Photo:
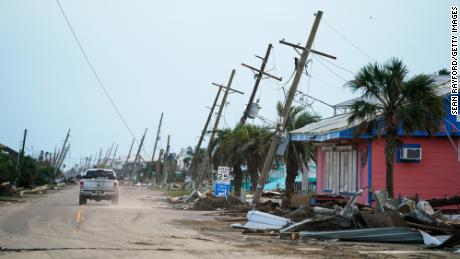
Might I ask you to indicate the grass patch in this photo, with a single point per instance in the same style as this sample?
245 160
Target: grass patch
10 198
172 192
177 193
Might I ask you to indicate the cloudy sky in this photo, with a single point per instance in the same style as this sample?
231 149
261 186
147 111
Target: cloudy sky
162 56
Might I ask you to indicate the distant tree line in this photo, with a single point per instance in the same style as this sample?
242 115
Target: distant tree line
26 173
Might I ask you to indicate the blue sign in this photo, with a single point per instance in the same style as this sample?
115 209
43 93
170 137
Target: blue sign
222 189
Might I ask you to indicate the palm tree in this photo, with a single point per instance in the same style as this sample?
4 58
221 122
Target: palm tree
257 141
389 100
226 150
297 152
245 144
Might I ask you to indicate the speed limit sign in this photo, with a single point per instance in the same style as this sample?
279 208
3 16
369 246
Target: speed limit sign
223 174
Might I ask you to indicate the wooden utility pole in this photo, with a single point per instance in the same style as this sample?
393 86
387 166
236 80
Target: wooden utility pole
165 163
113 157
20 161
99 158
63 153
158 176
156 140
205 164
260 74
104 160
286 109
127 158
133 167
193 164
90 159
108 154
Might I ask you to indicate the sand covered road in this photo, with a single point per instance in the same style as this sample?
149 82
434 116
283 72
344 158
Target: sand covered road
142 225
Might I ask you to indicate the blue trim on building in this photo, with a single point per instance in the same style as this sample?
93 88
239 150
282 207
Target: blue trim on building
369 171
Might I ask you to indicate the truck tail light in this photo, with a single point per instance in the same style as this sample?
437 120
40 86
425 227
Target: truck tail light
82 184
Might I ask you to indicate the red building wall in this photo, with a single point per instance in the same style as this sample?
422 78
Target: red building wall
436 175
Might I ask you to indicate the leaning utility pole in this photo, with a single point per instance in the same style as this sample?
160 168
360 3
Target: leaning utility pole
88 162
108 154
193 164
62 153
127 158
133 167
158 176
260 74
205 163
113 158
165 163
286 109
99 158
20 161
156 140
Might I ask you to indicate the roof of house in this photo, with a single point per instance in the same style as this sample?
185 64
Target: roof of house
334 123
441 81
340 122
10 151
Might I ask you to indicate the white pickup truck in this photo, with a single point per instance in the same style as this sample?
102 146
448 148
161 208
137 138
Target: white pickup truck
98 184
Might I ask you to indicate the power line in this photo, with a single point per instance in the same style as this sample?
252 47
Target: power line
96 75
336 65
349 41
330 70
325 83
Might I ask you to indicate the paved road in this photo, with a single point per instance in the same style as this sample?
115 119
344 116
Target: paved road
141 225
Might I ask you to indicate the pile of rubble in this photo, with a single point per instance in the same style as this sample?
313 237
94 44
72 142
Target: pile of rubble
403 220
6 189
206 202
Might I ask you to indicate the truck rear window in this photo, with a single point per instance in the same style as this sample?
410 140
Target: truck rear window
93 174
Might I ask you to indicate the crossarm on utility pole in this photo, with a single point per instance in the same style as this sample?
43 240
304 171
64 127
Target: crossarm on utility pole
230 89
263 72
311 50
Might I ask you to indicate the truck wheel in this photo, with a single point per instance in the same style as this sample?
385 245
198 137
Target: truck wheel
82 201
115 200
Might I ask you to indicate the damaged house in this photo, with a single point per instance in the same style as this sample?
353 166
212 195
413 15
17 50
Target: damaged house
425 166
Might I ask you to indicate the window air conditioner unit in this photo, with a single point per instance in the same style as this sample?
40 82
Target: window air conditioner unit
411 153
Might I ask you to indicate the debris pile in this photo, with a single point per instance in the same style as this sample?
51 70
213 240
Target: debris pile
210 202
198 201
403 220
6 189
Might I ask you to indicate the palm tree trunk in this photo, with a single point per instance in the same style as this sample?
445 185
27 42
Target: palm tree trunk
238 178
291 171
390 149
253 172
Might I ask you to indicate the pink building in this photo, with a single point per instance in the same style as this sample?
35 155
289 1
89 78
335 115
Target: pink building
428 166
